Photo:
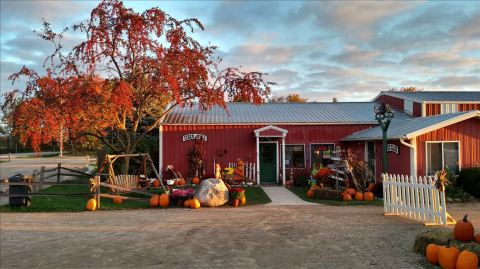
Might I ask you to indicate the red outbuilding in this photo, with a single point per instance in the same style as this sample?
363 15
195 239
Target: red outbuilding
275 139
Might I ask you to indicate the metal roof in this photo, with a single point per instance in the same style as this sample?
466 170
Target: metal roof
409 128
278 113
436 96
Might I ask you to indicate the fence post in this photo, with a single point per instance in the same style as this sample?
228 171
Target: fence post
42 174
59 168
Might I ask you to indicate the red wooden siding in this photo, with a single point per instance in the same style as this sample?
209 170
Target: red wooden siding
393 101
432 109
226 143
397 163
467 107
417 109
467 132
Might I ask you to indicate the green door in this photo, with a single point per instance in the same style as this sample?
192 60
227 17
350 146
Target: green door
268 163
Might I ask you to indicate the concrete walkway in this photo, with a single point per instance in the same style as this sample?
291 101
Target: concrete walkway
281 196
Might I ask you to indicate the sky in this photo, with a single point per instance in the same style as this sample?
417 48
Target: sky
318 49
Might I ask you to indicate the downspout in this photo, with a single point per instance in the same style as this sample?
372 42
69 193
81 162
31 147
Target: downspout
413 155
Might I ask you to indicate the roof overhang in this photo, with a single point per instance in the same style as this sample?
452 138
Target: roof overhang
271 131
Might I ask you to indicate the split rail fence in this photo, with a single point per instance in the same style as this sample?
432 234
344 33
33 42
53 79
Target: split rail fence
416 198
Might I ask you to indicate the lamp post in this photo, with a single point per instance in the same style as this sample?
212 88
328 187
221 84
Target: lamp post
384 116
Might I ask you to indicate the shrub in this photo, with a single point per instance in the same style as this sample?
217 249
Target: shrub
469 180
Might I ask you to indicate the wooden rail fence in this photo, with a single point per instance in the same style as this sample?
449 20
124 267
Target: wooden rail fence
416 198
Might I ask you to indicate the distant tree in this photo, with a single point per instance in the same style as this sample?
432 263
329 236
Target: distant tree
406 89
291 98
334 100
130 66
277 99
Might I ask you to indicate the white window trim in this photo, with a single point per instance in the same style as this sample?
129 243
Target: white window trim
310 150
443 159
304 156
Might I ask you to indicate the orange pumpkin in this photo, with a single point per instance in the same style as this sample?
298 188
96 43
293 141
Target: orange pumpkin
359 196
368 196
371 187
346 197
164 200
156 183
91 204
351 191
154 201
463 230
310 193
447 256
117 200
196 181
194 203
182 182
187 203
432 253
467 260
477 238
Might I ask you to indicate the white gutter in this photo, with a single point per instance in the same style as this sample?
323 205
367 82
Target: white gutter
413 155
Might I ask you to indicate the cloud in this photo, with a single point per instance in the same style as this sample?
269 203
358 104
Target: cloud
441 60
458 81
352 55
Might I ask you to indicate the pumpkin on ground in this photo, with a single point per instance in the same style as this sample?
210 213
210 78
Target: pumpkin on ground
368 196
117 200
164 200
467 260
196 181
91 204
187 203
432 253
346 197
359 196
351 191
447 256
181 182
156 183
194 203
371 187
154 201
310 193
243 200
463 230
477 238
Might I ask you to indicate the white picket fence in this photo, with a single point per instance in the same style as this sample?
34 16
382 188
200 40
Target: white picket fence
250 172
415 198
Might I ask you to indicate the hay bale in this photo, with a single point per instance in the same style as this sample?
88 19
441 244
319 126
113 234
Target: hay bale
328 194
440 236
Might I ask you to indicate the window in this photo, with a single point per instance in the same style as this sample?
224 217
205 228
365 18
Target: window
294 156
320 154
408 106
448 108
441 155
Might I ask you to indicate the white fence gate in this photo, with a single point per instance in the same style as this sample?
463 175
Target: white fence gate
250 172
415 198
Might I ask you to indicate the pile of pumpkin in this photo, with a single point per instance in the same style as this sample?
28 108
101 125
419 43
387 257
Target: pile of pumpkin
450 257
351 193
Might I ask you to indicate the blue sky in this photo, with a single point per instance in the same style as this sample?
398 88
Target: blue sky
350 50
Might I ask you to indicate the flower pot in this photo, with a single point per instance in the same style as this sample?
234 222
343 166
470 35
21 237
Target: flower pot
235 202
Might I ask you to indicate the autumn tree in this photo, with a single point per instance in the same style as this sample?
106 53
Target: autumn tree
406 89
291 98
131 66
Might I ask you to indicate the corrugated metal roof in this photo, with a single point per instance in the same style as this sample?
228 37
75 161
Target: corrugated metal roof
408 128
279 113
437 96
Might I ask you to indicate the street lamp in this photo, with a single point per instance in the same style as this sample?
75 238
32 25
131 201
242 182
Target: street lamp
384 116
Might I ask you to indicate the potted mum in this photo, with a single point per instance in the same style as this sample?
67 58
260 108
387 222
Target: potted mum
237 195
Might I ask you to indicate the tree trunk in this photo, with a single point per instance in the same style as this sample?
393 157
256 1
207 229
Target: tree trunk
125 165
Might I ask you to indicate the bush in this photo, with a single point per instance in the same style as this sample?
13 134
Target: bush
469 180
301 180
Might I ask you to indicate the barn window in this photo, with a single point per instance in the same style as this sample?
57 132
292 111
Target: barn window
320 154
442 155
294 156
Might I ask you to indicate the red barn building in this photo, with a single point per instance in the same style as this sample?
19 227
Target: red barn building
279 137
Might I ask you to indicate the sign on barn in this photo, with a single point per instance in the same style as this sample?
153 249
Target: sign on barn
392 148
188 137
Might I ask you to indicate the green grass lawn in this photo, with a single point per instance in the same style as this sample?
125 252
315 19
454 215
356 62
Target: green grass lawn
255 196
302 193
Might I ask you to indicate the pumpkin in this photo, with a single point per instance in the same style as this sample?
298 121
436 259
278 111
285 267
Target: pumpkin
154 201
368 196
467 260
346 197
243 200
463 230
477 238
117 200
91 204
187 203
432 253
181 182
194 203
310 193
359 196
351 191
447 256
156 183
371 187
164 201
196 181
